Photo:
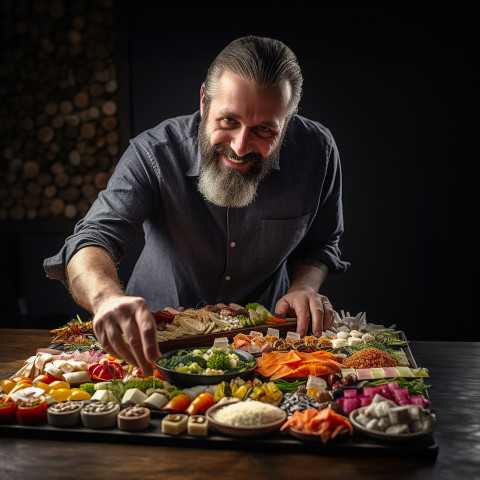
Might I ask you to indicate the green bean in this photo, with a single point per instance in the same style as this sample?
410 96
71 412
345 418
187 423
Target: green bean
285 386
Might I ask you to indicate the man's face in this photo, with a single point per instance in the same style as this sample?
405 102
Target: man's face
240 136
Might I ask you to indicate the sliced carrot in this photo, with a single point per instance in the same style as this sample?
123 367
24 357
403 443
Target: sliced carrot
326 436
337 430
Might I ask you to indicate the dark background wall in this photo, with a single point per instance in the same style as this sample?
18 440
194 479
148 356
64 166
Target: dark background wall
397 84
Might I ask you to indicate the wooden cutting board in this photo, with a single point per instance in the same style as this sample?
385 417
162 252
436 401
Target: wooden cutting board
206 340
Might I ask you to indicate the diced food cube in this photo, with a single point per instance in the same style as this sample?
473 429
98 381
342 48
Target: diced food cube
362 419
197 425
398 428
373 424
382 408
384 423
399 415
174 423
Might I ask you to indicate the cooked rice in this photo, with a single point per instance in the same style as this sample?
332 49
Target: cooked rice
248 414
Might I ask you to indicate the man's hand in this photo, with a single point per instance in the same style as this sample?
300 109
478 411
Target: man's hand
130 316
306 306
94 284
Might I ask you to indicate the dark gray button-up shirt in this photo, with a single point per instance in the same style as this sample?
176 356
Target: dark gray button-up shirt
198 252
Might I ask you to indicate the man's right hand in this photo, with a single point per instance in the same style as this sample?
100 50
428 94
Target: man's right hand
120 315
94 284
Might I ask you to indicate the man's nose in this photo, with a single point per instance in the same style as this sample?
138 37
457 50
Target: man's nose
242 142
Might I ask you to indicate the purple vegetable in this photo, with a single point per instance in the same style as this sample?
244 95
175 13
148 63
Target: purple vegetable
393 386
365 400
370 391
420 400
401 393
350 393
385 392
350 404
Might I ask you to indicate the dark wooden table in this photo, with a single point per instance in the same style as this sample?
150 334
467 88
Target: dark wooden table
455 394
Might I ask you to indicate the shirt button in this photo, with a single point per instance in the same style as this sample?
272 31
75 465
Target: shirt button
227 278
233 244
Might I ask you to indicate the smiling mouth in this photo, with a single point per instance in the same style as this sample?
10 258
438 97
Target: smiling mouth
234 160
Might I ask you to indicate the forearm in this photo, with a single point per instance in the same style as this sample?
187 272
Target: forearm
308 275
92 277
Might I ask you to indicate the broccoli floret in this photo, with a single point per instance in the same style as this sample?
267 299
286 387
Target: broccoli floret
182 353
201 362
88 387
219 360
133 383
174 361
152 383
174 393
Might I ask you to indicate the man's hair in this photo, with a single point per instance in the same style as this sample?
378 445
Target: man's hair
265 61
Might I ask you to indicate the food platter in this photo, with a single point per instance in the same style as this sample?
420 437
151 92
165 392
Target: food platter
267 435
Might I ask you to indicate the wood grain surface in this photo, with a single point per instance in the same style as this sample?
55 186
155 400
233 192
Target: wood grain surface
455 391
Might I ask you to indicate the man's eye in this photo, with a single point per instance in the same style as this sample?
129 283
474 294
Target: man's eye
264 132
228 120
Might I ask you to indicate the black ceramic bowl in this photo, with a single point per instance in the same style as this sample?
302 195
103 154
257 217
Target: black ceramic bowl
191 380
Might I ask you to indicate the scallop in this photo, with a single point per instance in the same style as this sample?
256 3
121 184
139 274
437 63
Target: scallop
354 341
356 333
339 343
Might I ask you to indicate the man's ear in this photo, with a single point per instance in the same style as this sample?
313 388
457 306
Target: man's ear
202 98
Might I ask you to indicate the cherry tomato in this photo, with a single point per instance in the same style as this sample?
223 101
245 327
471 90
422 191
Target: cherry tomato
45 378
179 403
200 404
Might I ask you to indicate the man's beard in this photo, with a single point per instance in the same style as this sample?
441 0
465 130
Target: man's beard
225 186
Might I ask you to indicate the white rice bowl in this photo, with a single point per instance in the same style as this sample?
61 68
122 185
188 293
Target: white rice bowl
248 414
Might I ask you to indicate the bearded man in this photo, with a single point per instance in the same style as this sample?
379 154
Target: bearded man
226 197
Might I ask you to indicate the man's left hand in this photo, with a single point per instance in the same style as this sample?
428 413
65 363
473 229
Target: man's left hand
306 306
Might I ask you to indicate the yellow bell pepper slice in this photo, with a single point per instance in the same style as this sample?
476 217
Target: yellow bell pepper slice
19 386
60 394
79 394
59 384
44 386
8 385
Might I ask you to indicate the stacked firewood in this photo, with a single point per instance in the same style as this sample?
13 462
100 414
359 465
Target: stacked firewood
59 125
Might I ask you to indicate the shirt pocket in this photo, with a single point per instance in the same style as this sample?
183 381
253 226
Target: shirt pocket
277 238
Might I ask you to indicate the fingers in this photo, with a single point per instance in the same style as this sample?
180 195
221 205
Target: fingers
110 337
307 307
316 307
126 329
282 308
328 313
303 320
139 338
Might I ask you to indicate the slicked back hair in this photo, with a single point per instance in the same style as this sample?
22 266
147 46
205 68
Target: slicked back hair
265 61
